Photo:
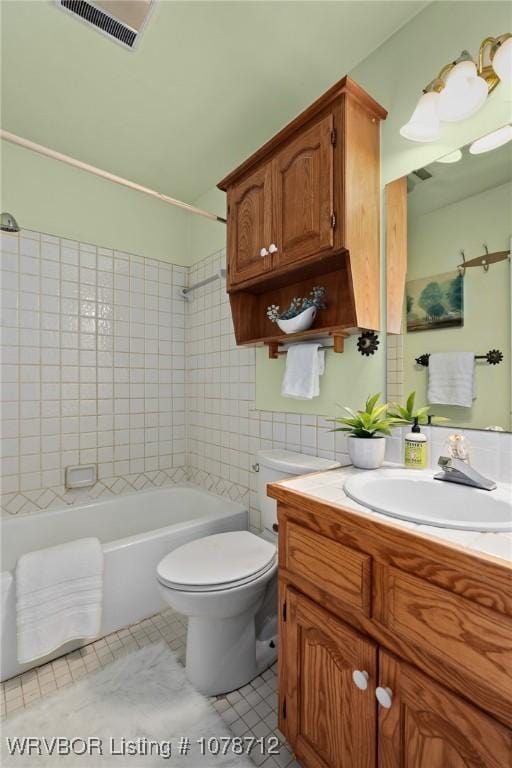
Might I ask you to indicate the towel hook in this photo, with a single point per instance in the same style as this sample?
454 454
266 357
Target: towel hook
461 268
485 264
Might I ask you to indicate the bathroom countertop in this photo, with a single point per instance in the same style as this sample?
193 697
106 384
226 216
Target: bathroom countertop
327 487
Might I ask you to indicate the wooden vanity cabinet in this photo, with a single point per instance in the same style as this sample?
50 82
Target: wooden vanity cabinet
430 626
429 727
328 720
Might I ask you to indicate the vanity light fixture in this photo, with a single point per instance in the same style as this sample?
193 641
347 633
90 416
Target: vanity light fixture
464 92
461 88
492 140
451 157
424 124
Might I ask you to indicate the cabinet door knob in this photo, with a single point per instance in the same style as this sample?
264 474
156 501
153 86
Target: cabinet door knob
384 697
360 678
272 248
264 253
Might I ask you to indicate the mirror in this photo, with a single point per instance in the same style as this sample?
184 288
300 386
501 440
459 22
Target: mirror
449 286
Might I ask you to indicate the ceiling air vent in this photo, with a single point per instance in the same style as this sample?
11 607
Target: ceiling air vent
422 174
122 20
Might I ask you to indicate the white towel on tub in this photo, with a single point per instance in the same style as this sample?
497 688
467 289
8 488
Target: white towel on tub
59 594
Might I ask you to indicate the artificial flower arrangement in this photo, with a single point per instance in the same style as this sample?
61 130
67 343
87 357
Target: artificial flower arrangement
301 313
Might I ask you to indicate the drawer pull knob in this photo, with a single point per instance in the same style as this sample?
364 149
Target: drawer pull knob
384 697
272 248
360 678
263 253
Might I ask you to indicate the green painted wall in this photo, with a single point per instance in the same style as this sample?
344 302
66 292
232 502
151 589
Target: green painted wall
434 241
348 380
395 75
49 196
207 236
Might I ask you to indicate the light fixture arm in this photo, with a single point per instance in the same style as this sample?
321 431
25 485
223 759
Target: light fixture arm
438 83
460 88
489 46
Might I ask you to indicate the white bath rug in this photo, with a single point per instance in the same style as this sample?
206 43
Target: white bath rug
135 711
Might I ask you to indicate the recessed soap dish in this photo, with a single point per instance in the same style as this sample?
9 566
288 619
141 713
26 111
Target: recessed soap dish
81 476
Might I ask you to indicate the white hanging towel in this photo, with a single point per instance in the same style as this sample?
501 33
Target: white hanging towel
59 594
305 363
451 378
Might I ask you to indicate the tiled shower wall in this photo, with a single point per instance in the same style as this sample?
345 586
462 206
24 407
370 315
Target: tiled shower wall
93 370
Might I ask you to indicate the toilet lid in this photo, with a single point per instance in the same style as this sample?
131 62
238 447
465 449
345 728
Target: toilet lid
224 560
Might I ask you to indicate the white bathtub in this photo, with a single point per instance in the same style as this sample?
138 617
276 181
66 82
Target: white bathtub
136 531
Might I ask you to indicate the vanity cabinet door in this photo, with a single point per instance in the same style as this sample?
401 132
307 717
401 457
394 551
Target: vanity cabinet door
303 199
329 721
426 726
250 226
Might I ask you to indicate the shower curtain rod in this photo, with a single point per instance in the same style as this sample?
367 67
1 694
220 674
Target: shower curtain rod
42 150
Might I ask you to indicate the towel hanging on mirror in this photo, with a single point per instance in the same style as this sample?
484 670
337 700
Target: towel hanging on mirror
451 378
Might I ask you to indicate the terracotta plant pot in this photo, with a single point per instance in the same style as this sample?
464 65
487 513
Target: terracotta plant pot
367 452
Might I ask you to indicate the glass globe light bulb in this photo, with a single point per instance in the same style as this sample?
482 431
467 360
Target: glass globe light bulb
464 93
502 62
424 122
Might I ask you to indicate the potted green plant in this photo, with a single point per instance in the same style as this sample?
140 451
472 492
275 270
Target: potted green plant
367 432
408 415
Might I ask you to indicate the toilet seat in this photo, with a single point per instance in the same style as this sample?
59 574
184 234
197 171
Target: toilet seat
220 562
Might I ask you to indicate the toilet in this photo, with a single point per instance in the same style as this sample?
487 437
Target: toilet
226 584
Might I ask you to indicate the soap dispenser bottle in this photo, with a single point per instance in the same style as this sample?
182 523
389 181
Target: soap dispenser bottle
415 448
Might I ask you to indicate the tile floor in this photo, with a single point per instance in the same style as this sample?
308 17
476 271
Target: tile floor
250 711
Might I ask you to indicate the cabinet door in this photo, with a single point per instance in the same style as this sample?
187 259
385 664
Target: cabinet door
303 208
426 726
249 225
329 721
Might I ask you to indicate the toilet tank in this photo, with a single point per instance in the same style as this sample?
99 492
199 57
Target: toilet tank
276 464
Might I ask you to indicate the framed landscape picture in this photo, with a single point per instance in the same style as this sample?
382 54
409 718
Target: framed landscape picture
435 302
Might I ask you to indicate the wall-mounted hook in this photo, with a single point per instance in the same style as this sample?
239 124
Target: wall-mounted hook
461 267
485 264
367 343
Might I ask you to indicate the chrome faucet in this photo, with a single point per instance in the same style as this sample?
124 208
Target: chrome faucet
457 471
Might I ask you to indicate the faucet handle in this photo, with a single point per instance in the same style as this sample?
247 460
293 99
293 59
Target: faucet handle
458 447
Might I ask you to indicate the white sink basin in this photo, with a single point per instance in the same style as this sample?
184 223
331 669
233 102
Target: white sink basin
416 496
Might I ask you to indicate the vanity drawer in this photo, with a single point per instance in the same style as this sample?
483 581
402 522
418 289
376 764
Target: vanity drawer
472 642
341 572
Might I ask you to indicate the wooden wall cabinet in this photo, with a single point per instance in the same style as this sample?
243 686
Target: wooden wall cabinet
303 195
250 206
304 210
395 651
